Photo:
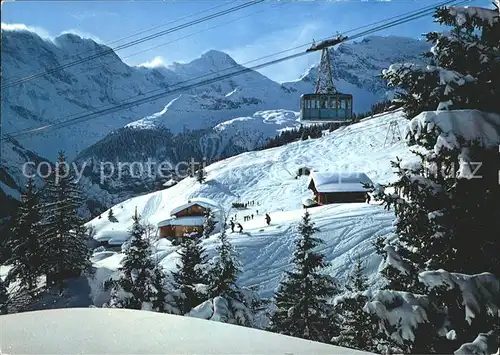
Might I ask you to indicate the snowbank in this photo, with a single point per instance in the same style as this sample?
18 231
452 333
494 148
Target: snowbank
117 331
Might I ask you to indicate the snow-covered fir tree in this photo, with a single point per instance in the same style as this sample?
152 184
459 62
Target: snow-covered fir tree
63 239
302 296
111 216
230 302
357 280
224 272
24 242
191 274
463 63
357 328
209 223
141 282
446 216
3 297
201 175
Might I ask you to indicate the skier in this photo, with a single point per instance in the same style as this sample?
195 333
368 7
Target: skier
268 219
368 198
252 215
240 227
256 211
232 226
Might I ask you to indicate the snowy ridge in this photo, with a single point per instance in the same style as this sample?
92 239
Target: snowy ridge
95 330
267 177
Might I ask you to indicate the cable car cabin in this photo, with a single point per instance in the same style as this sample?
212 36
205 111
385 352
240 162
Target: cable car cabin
326 107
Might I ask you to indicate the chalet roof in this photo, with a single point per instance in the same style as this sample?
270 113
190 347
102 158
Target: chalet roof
183 221
201 201
339 182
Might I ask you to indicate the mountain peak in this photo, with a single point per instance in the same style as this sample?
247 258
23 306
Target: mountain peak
209 61
218 56
72 40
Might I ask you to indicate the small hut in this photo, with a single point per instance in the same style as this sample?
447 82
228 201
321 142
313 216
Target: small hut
187 218
338 187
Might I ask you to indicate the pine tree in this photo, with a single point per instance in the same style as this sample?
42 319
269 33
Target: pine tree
223 275
162 301
111 216
357 282
446 221
301 299
209 223
63 240
24 242
201 175
4 297
358 328
135 287
190 273
463 63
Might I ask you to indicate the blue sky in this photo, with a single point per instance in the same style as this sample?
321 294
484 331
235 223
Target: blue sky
251 33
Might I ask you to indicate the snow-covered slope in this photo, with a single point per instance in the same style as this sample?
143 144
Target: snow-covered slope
120 331
268 178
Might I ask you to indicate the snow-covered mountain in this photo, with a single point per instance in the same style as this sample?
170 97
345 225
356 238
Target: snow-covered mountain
224 117
268 178
108 81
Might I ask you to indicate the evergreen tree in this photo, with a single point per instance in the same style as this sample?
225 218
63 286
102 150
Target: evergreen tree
357 282
358 328
4 297
24 243
464 63
242 304
190 273
301 299
111 216
209 223
63 240
161 300
224 273
135 287
446 220
201 175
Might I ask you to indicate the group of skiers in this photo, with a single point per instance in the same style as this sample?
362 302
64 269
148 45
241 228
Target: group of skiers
233 223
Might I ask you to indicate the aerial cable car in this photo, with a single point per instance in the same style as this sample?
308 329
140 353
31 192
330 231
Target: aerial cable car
326 105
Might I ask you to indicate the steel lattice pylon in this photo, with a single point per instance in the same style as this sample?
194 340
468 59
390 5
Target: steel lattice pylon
324 81
393 134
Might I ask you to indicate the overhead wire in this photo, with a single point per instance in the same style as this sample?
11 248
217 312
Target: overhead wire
132 43
108 44
280 4
414 15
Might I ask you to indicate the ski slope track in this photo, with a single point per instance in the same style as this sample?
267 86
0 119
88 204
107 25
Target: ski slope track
267 177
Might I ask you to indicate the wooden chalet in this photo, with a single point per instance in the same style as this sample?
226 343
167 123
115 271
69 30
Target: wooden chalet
186 219
338 187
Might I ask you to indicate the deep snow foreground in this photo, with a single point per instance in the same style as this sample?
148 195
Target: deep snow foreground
268 178
119 331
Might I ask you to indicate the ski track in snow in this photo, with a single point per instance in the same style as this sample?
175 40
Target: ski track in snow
267 177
